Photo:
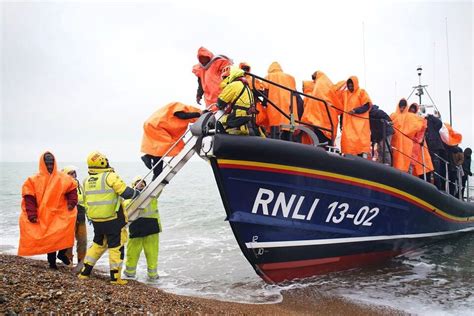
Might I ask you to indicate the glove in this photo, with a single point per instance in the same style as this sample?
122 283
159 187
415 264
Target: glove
70 207
33 219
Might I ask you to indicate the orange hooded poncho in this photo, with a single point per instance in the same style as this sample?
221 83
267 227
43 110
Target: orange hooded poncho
278 96
417 155
409 124
210 74
315 111
55 225
355 137
162 129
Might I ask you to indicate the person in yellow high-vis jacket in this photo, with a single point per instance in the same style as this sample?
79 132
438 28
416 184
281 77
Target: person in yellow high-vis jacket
102 191
144 235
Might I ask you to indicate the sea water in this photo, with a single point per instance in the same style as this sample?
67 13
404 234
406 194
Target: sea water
200 257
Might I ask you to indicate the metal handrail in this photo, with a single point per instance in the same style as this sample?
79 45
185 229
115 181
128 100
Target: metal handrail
290 117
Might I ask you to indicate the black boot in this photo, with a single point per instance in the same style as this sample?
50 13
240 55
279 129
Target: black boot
62 256
147 161
52 260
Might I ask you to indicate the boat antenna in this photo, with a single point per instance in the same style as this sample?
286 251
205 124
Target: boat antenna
449 74
363 52
421 90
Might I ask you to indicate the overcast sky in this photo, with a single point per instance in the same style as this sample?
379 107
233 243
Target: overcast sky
77 77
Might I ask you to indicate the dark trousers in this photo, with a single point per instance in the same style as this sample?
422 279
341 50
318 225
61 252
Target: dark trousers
61 255
152 161
439 167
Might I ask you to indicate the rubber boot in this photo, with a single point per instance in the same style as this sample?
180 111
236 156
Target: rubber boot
116 278
85 272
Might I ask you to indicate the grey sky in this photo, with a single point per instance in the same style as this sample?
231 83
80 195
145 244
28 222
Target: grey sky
84 76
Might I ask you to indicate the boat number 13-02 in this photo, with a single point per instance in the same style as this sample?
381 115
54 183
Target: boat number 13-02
338 212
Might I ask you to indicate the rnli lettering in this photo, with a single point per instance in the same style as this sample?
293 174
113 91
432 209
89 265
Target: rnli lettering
288 207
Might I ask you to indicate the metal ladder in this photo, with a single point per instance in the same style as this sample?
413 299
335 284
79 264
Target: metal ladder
171 167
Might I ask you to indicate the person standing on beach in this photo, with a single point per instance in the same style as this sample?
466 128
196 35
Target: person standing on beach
143 235
48 214
103 189
81 231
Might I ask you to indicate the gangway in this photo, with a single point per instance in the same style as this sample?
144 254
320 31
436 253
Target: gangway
192 142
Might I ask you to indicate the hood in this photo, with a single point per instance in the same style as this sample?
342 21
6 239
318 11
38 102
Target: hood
204 52
42 165
319 74
415 105
274 67
235 73
397 108
355 80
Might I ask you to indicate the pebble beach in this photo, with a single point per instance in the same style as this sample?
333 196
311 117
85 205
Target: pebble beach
28 287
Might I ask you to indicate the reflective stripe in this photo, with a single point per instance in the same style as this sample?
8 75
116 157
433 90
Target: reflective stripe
103 202
148 213
152 272
100 191
116 265
130 269
91 260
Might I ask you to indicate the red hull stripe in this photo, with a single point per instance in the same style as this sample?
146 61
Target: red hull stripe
281 271
266 167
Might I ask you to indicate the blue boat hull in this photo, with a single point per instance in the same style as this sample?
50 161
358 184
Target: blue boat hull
297 211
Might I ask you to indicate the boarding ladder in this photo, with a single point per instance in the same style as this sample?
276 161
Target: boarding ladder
192 141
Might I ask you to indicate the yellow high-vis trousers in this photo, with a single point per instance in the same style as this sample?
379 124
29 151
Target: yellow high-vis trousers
116 249
150 244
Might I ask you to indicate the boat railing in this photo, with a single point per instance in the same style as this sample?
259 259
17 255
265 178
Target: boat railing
293 95
457 183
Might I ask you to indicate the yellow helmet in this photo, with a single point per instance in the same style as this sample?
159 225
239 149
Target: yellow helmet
97 160
136 180
69 169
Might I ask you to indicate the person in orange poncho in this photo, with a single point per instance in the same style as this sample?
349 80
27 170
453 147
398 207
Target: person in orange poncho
208 71
162 130
406 125
355 139
281 98
420 153
48 217
315 112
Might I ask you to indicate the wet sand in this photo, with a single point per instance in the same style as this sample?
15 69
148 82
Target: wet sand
29 286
